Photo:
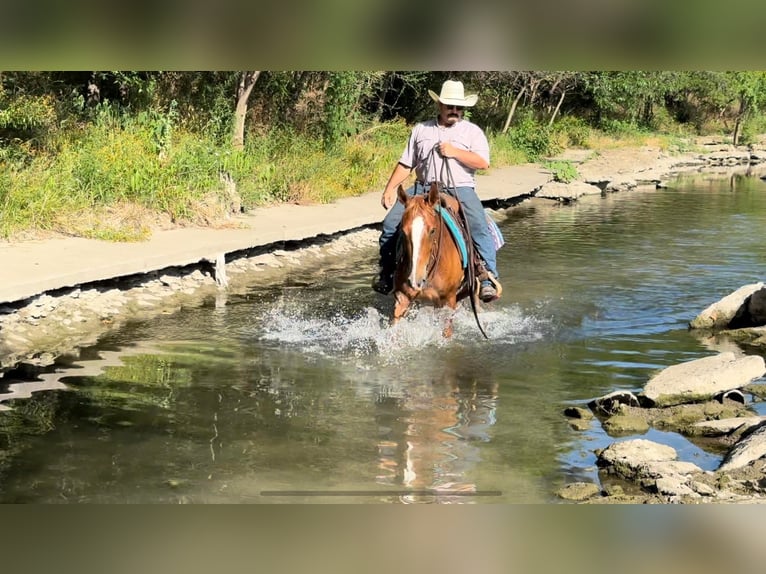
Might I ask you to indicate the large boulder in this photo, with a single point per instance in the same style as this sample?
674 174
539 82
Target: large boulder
720 314
752 312
650 464
702 379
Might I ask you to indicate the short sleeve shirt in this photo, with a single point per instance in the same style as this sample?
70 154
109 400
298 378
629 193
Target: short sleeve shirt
429 166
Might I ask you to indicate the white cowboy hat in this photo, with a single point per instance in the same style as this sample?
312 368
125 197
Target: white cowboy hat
452 94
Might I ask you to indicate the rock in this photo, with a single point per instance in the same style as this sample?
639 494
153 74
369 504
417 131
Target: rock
624 424
578 413
702 379
653 467
749 448
726 426
579 491
633 453
610 404
719 314
567 191
752 312
674 485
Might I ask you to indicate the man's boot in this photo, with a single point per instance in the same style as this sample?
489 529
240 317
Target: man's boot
487 291
489 287
383 282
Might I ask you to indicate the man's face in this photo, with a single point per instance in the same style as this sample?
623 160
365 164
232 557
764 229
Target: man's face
450 114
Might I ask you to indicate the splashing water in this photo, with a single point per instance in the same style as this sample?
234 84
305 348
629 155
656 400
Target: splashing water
368 332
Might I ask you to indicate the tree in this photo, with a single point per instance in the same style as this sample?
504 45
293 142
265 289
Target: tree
749 89
245 87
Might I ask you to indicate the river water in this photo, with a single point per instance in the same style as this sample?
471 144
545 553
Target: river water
299 392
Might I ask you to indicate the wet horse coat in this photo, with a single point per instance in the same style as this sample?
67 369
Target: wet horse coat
430 266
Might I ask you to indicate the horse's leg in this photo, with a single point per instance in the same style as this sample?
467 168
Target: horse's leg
448 329
400 306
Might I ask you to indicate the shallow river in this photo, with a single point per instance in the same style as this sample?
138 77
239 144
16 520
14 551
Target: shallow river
299 391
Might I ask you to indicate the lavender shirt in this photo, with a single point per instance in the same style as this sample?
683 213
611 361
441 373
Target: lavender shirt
428 167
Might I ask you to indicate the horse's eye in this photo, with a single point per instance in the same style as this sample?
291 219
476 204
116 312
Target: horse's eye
432 231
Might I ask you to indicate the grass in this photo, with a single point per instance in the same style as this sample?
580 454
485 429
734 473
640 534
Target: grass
118 178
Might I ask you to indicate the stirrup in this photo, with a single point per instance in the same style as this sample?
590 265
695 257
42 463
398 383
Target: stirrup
487 276
498 286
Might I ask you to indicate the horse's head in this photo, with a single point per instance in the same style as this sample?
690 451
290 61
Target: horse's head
420 224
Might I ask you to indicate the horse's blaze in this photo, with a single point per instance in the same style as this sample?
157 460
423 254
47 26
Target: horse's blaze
417 235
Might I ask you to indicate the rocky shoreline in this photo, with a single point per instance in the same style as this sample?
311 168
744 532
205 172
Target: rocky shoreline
709 400
35 332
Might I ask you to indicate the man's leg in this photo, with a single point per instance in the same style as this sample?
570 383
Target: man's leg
389 236
481 236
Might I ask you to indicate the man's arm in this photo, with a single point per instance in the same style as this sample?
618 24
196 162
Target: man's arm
469 159
401 172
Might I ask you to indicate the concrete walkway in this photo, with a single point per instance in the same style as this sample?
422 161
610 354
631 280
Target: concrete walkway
29 268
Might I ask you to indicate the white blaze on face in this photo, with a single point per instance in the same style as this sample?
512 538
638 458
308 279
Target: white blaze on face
418 229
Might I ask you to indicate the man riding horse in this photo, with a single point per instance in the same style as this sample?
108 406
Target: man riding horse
447 150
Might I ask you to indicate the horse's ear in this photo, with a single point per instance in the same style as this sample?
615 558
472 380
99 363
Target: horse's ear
433 194
403 197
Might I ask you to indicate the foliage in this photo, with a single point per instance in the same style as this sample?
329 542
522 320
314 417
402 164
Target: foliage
562 170
575 131
533 139
157 144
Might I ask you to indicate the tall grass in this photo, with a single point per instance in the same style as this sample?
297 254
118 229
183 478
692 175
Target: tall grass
110 178
117 176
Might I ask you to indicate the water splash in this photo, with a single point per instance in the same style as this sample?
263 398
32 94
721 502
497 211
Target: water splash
367 332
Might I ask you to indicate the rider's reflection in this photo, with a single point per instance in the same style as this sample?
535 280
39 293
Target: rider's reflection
431 435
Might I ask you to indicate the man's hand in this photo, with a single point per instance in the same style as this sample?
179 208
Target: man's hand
446 149
388 198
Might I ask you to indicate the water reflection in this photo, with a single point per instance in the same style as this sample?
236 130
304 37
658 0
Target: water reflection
429 436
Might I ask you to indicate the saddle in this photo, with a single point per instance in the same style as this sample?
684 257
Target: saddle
458 227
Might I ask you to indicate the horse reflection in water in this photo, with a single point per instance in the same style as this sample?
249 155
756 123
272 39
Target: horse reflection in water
430 438
430 266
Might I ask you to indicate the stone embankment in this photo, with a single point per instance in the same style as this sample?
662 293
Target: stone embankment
38 330
709 400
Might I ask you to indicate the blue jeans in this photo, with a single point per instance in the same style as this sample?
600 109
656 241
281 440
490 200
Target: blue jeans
474 215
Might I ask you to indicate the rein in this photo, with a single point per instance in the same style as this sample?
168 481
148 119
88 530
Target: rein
470 276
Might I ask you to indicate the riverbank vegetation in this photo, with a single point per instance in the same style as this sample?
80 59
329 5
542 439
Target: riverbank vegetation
113 155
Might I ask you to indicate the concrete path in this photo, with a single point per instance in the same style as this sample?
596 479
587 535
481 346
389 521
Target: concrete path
29 268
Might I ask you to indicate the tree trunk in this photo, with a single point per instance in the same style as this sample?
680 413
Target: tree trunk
516 101
558 107
246 83
739 121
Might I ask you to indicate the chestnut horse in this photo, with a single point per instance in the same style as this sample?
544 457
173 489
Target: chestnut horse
430 266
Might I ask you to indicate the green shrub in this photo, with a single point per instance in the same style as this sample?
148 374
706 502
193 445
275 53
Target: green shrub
575 131
533 139
22 114
563 171
620 128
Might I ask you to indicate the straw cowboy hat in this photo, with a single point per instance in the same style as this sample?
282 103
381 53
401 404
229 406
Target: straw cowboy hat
452 95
